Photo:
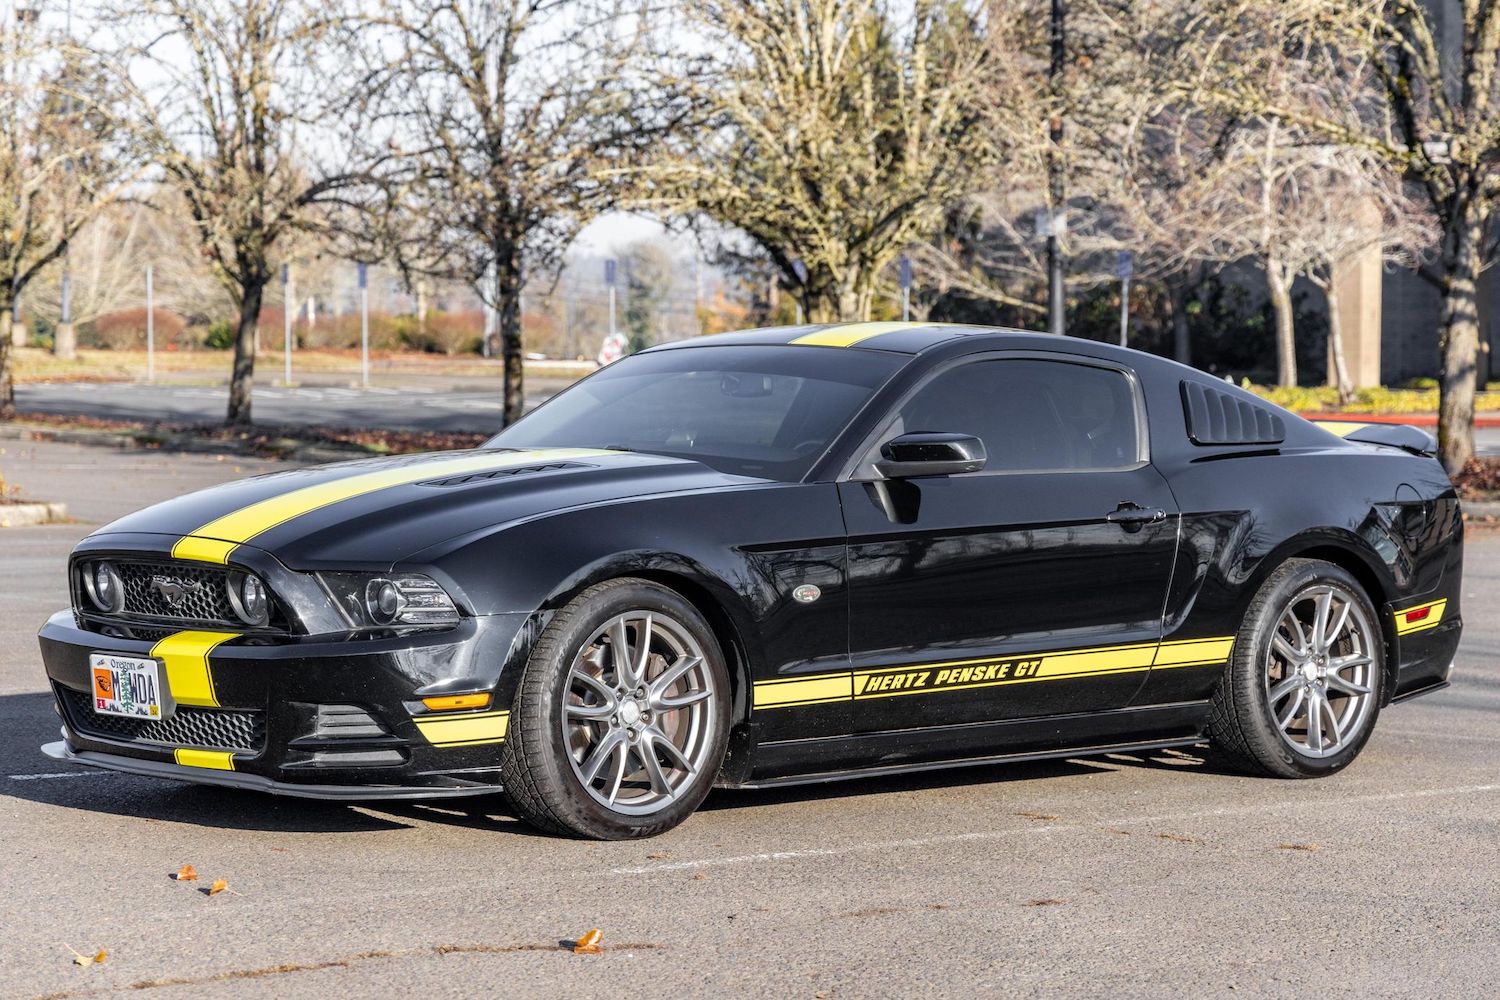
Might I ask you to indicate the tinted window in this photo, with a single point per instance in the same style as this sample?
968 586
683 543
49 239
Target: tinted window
767 412
1032 415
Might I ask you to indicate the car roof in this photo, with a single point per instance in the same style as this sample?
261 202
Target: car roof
896 337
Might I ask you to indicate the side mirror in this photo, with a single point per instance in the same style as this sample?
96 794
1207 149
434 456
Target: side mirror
930 453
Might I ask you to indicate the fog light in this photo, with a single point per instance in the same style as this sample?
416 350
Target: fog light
249 598
105 588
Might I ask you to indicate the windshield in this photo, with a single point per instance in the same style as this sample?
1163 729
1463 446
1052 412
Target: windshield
767 412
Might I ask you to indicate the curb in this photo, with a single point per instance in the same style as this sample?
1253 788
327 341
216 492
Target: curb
310 453
1481 510
18 515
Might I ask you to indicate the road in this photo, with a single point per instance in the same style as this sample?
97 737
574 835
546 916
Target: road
423 408
1139 875
467 405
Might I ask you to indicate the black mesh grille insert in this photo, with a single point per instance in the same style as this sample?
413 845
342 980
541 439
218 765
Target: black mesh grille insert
199 590
206 728
479 477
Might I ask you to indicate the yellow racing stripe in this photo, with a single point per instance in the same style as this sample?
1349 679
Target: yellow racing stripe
850 334
1343 428
1420 618
464 730
214 541
993 671
214 760
185 655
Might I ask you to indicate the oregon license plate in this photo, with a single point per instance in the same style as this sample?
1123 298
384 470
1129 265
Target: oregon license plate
126 685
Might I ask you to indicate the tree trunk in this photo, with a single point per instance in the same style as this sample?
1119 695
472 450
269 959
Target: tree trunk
1459 340
1280 289
242 380
1178 288
7 387
1340 373
508 279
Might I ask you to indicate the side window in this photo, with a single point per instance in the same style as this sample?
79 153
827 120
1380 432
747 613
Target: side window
1031 415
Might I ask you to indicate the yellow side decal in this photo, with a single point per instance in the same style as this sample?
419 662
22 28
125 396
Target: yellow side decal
1343 428
785 693
185 655
1420 618
928 678
214 541
214 760
850 334
464 730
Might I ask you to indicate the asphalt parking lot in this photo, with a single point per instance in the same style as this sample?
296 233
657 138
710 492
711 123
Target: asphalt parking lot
1160 875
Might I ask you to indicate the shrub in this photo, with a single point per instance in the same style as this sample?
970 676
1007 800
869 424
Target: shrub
126 329
447 333
220 335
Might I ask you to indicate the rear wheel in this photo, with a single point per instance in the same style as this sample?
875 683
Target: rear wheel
620 723
1302 690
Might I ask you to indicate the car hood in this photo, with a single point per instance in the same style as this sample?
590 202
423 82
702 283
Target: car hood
377 512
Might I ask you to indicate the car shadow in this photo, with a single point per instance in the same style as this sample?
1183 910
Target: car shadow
29 720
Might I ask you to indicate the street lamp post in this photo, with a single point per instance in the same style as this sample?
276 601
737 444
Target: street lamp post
286 322
150 327
1056 303
905 278
609 279
364 324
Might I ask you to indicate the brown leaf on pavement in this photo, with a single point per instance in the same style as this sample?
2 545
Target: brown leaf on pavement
658 856
1045 902
589 943
1038 815
1298 847
187 873
81 959
219 886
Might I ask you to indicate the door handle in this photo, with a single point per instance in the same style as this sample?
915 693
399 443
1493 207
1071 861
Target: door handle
1130 513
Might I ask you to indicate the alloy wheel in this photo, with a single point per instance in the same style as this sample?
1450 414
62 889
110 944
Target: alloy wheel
1319 674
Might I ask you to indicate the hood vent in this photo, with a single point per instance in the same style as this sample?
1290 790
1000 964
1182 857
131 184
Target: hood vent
1217 417
523 470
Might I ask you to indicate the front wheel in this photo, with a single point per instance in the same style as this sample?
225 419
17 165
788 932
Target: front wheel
620 723
1302 689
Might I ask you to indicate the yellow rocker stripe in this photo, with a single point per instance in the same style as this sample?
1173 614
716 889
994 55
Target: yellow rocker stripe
852 333
803 690
468 729
185 655
214 541
1433 619
214 760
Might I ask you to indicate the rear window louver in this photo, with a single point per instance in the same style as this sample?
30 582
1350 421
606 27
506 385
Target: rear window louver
1216 417
521 470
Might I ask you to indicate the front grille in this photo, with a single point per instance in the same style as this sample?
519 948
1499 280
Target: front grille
204 597
205 728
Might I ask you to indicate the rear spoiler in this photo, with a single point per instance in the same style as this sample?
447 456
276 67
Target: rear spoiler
1403 436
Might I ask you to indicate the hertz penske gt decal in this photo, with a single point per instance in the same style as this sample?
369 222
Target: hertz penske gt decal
185 656
214 541
929 678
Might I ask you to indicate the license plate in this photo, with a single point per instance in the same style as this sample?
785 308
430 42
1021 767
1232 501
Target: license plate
126 685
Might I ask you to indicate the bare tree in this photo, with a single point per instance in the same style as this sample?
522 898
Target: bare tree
63 157
248 109
835 134
516 116
1433 115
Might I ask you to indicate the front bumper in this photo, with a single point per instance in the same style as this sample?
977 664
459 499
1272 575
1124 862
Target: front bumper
319 717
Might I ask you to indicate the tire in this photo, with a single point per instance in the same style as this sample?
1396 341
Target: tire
584 729
1263 711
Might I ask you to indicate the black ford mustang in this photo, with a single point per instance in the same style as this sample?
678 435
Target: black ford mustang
777 556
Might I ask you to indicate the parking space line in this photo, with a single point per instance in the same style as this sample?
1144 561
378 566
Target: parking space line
983 835
1431 734
55 774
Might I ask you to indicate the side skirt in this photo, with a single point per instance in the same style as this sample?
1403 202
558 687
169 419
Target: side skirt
903 751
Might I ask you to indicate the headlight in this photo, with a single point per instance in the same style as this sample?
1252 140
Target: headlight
399 599
105 588
249 598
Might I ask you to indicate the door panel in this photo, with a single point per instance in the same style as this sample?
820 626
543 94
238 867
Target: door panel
1015 593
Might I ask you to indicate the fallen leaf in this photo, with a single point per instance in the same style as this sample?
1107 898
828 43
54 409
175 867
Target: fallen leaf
81 959
1036 815
1046 902
219 886
658 856
589 943
699 877
1298 847
187 873
1177 837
